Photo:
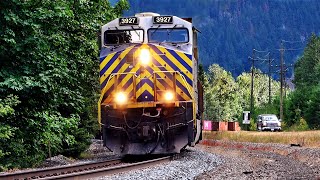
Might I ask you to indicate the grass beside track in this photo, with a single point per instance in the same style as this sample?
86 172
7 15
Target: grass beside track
304 138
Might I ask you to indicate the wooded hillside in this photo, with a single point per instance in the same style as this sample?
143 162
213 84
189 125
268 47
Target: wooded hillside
231 29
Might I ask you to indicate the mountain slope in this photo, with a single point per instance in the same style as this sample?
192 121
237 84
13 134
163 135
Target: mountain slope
231 29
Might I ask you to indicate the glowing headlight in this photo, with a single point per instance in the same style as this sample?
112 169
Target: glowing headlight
121 98
145 56
168 96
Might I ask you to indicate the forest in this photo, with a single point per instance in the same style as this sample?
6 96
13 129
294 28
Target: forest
49 81
226 97
230 30
49 67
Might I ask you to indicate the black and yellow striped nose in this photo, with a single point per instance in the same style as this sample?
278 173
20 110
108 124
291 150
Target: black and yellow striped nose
168 70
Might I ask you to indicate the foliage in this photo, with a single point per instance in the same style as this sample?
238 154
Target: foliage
48 55
260 90
307 68
225 98
295 106
304 101
312 112
300 125
221 98
6 131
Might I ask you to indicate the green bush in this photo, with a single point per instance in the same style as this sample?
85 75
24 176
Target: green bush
301 125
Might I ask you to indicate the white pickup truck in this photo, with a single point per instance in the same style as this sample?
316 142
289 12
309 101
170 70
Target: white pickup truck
268 122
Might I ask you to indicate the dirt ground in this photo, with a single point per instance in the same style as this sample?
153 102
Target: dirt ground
262 161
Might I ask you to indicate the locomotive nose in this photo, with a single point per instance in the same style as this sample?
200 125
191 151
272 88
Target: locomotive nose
145 57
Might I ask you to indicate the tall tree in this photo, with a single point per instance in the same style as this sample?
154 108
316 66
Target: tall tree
260 88
304 102
307 68
48 53
221 97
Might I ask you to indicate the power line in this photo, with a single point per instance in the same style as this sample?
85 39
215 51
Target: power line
260 51
257 59
290 49
292 42
268 54
262 59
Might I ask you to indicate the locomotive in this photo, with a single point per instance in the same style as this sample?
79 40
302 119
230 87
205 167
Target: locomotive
151 100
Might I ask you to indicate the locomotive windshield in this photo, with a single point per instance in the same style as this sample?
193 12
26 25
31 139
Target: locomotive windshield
171 35
116 37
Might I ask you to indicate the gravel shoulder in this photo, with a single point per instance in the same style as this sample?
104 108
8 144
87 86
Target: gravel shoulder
216 159
262 161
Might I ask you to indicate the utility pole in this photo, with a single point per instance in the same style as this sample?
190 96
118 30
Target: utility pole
252 77
285 81
269 59
281 80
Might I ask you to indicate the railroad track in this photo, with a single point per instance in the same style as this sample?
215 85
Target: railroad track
83 171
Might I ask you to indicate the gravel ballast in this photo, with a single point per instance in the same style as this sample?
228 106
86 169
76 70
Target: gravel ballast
190 164
213 159
235 160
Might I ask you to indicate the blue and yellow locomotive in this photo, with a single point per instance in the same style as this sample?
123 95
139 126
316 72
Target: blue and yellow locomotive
151 101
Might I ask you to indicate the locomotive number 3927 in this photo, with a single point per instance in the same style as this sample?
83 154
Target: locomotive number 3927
162 20
128 21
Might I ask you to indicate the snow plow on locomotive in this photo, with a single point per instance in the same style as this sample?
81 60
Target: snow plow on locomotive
151 100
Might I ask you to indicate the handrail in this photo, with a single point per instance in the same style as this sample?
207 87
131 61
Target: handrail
186 84
104 91
192 97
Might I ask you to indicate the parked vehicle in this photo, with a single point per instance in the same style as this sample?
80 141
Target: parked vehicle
268 122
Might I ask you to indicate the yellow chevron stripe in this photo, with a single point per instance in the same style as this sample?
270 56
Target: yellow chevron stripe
106 60
175 61
126 79
162 62
162 75
135 68
143 88
108 86
114 64
121 83
182 55
185 58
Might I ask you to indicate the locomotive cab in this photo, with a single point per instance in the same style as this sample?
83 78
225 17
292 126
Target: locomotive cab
149 101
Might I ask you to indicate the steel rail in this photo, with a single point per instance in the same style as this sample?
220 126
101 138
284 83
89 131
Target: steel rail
55 171
110 170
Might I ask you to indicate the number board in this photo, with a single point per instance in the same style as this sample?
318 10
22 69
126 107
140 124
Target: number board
128 21
162 20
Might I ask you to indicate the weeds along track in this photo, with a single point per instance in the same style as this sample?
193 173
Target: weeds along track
85 171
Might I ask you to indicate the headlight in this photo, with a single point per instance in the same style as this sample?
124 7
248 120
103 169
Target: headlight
120 98
279 124
168 96
264 123
145 57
